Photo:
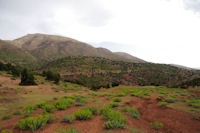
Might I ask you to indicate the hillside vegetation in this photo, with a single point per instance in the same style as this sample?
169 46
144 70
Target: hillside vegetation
105 72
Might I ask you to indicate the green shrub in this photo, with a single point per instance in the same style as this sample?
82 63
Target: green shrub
113 125
162 104
113 104
80 100
67 130
41 104
156 125
62 104
17 113
104 111
115 120
49 108
68 118
7 131
7 116
170 100
117 99
28 110
93 109
51 119
194 102
133 112
83 114
33 123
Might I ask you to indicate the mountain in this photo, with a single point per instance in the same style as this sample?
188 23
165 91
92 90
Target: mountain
13 54
46 48
130 57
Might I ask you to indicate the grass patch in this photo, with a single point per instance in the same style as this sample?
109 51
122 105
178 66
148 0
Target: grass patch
67 130
33 123
41 104
6 116
156 125
63 103
117 99
133 112
114 104
68 118
114 119
49 108
194 102
162 104
83 114
7 131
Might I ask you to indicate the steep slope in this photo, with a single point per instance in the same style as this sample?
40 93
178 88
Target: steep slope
12 54
50 47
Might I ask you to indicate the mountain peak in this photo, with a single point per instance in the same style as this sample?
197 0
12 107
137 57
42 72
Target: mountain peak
46 47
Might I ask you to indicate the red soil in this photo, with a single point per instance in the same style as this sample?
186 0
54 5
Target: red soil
174 121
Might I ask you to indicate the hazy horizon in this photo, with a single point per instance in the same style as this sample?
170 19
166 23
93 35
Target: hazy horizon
159 31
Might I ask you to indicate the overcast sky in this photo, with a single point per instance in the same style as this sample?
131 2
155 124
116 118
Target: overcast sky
160 31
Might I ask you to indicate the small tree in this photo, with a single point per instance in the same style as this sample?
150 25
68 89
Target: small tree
52 76
27 78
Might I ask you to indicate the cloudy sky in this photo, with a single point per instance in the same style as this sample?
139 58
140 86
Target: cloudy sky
160 31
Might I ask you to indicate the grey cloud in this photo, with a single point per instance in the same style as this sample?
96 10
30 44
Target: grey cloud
192 5
28 16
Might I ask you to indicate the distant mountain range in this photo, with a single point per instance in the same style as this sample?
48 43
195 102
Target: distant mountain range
42 48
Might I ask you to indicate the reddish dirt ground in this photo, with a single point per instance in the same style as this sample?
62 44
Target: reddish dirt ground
174 121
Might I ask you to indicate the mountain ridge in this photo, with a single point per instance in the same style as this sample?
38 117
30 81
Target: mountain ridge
51 47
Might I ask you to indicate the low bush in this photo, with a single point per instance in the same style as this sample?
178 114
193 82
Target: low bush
28 110
33 123
156 125
41 104
7 131
114 104
104 111
113 125
162 104
170 100
117 99
49 108
7 116
62 104
133 112
80 100
67 130
194 102
93 109
83 114
114 119
17 113
68 118
51 119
